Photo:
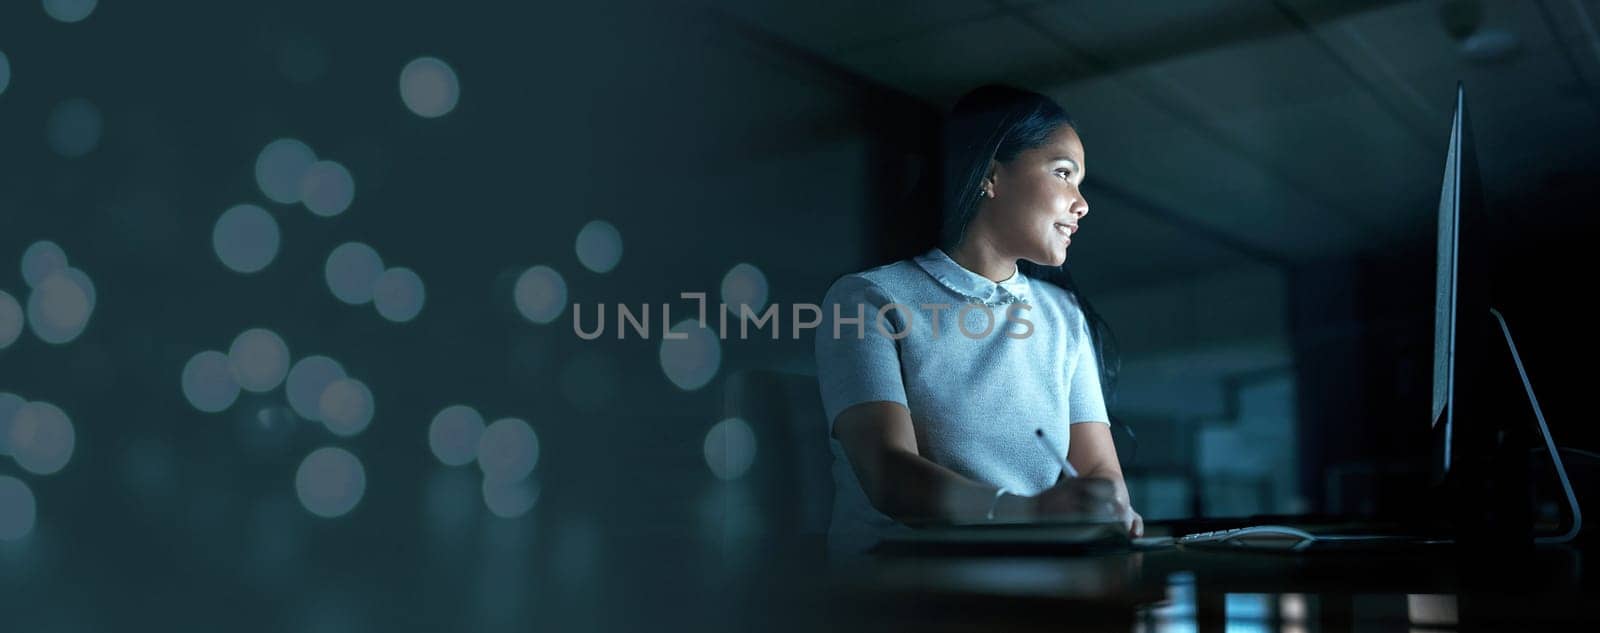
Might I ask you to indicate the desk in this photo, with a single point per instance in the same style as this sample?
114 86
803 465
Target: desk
1207 590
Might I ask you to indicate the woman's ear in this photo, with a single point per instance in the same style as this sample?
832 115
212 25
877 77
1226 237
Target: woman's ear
989 180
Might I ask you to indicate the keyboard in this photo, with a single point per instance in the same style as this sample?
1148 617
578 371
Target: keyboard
1258 536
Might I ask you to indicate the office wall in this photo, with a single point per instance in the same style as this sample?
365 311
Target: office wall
1207 387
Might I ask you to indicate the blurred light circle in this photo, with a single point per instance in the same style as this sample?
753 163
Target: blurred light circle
58 309
730 448
245 238
508 450
307 381
691 362
599 246
346 407
327 188
454 434
281 168
540 294
41 438
744 285
5 73
398 295
330 482
73 128
208 382
352 270
429 87
11 322
69 11
510 499
259 359
10 404
17 509
82 279
40 259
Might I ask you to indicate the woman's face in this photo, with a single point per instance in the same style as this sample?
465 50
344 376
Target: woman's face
1034 205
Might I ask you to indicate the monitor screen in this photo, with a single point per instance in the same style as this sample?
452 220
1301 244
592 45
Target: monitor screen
1444 315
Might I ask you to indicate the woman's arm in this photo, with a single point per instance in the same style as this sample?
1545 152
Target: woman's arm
1093 454
881 444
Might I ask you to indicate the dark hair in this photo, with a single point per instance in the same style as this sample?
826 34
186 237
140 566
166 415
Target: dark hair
996 122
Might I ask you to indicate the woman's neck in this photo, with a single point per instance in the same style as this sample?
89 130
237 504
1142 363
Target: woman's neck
978 255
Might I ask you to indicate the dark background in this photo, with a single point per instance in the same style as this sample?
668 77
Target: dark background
1263 179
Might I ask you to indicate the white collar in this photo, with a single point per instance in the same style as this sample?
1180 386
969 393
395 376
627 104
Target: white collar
971 285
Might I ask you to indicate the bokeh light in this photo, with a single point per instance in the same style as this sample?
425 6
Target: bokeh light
730 448
744 285
5 73
259 359
41 438
10 404
84 282
208 382
599 246
281 168
17 509
11 322
540 294
330 482
73 128
398 295
40 259
307 380
454 433
429 87
327 188
352 270
69 11
245 238
58 309
510 499
346 407
691 362
508 450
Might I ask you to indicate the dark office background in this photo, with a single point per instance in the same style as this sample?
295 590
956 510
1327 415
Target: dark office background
1264 178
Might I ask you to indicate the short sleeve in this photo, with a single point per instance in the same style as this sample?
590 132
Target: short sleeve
861 364
1085 402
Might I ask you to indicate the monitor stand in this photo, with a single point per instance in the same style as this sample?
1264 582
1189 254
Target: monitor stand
1549 442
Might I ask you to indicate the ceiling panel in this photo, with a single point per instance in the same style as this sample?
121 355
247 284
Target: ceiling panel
943 64
832 26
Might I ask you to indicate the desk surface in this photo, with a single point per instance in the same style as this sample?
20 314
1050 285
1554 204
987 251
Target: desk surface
1180 589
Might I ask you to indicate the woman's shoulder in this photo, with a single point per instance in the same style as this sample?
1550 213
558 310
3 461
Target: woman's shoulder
887 279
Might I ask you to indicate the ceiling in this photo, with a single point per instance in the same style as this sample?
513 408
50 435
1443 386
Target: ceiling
1229 131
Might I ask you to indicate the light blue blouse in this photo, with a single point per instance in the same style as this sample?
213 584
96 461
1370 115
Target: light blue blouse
977 380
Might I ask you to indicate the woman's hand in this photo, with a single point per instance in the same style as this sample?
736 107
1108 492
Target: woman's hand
1077 498
1085 498
1133 521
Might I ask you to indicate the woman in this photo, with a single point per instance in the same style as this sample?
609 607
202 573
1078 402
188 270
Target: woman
932 423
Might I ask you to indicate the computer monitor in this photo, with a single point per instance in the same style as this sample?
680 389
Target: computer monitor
1481 394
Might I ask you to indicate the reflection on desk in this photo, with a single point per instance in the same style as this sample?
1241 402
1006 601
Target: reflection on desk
1212 590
